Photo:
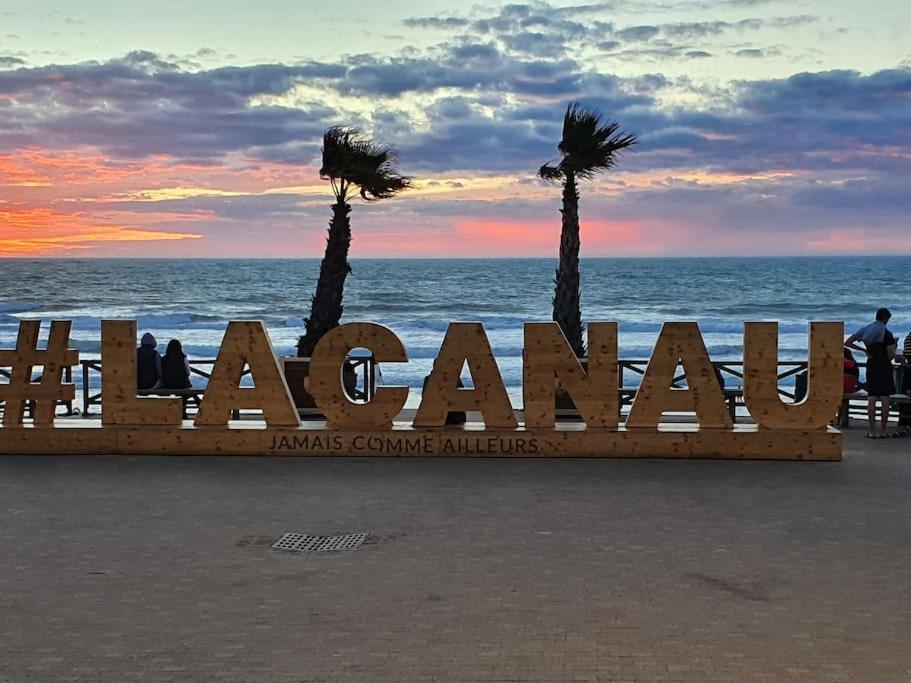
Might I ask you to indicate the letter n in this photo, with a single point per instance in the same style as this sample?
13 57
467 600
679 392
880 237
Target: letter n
119 402
679 344
825 382
246 343
465 343
548 359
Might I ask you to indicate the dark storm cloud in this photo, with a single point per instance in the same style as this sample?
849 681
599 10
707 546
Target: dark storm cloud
505 117
142 105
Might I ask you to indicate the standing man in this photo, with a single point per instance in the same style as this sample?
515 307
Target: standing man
879 345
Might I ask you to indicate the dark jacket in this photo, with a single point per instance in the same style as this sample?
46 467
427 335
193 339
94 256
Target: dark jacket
175 373
148 367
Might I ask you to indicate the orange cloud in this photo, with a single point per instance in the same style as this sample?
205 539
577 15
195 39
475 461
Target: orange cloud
44 232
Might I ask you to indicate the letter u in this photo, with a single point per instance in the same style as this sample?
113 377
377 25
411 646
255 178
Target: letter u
824 378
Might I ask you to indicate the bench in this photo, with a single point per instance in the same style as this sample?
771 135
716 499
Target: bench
732 398
191 396
844 411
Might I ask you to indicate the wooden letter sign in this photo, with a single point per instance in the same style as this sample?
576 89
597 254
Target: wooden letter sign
118 382
378 424
679 344
549 363
824 381
326 376
246 343
465 344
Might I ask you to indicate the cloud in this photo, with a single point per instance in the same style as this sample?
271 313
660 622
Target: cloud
447 23
637 33
754 53
142 104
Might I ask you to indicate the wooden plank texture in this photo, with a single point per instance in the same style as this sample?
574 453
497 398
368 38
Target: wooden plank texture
465 343
671 441
824 380
326 386
680 343
120 404
23 359
549 364
246 343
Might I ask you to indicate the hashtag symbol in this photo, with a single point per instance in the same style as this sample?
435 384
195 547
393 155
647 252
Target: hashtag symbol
45 393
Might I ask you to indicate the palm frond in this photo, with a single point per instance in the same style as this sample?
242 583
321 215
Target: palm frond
353 158
590 144
550 172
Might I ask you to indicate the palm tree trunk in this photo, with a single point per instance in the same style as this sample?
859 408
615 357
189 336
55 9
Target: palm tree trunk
326 307
567 307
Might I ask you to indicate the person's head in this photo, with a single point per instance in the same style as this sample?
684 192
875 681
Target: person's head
174 348
883 315
148 340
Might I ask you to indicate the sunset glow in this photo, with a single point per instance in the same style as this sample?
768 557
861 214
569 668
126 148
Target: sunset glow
777 139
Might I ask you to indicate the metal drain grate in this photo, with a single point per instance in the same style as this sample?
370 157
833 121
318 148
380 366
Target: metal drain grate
319 544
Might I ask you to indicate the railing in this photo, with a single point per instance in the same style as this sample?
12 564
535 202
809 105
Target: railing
363 365
727 368
629 371
94 365
67 377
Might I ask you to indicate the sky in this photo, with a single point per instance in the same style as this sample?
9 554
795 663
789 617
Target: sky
193 129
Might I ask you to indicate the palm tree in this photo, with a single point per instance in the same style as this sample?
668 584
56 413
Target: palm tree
352 162
590 145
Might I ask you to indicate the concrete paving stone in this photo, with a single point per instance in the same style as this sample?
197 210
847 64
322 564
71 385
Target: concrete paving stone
159 569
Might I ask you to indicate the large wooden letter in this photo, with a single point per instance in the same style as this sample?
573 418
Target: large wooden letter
465 343
246 342
44 394
326 384
548 357
824 380
119 403
680 343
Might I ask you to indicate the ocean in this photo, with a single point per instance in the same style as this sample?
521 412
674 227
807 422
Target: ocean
192 300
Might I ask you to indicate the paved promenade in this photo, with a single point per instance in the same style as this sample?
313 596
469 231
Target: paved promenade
159 569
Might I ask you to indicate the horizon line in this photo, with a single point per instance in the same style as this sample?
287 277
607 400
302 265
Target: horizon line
451 258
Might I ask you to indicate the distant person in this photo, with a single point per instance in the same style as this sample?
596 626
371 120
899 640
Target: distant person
175 368
904 409
148 363
879 345
852 373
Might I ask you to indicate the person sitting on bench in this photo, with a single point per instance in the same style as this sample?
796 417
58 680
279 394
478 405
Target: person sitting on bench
148 363
904 408
852 373
175 369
